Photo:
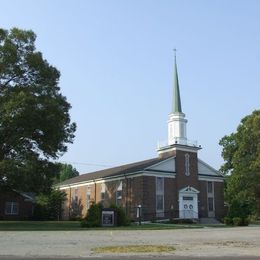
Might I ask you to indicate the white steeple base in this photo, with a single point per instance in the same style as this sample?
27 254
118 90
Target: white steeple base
177 129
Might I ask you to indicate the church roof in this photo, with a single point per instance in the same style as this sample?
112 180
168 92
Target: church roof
112 172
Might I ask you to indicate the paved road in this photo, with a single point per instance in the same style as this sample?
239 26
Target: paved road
141 258
207 242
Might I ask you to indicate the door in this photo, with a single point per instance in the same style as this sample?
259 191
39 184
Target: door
188 207
188 203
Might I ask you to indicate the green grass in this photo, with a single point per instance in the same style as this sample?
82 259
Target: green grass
134 249
39 225
75 225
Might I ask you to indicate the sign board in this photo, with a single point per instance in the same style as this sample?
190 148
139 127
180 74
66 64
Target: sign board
108 218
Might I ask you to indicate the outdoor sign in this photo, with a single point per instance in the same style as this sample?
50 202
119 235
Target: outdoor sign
108 218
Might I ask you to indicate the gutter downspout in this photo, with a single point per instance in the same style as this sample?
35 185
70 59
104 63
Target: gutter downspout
95 191
69 200
126 195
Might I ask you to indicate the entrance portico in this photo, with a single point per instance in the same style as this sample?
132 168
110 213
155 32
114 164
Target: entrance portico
188 203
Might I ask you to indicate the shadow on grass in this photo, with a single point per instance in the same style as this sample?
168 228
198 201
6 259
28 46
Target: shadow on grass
75 226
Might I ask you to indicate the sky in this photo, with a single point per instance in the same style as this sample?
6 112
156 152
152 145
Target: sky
116 64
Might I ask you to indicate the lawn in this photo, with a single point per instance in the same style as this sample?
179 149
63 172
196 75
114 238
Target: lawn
39 225
134 249
75 225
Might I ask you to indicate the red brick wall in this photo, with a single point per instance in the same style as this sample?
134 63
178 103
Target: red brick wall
202 198
142 191
95 196
25 207
218 199
220 210
181 178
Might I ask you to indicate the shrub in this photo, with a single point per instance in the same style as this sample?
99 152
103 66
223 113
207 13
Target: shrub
228 221
245 221
237 221
93 218
182 221
242 206
121 217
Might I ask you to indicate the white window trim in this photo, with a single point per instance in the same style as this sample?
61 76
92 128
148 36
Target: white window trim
211 195
187 164
88 197
102 191
119 198
12 203
159 193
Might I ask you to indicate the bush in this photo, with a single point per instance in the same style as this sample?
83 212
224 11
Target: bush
228 221
237 221
121 217
245 221
182 221
241 206
93 218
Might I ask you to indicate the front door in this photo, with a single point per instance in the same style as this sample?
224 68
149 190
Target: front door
188 207
188 203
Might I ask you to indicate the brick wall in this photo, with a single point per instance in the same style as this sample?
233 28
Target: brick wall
25 207
203 197
220 210
218 199
181 178
141 190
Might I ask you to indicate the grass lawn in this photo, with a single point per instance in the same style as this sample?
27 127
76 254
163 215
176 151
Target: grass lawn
134 249
75 225
39 225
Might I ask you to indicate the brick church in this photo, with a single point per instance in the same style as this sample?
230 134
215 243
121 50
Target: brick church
175 184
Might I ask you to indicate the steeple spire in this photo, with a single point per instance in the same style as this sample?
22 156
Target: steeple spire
176 105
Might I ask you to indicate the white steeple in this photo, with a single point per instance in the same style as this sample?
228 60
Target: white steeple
177 122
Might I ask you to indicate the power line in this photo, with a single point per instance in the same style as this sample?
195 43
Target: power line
88 164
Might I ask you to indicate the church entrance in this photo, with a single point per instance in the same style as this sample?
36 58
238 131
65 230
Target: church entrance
188 203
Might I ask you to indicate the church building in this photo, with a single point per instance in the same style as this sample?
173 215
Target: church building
175 184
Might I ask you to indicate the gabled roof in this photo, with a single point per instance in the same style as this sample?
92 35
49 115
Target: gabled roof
206 170
112 172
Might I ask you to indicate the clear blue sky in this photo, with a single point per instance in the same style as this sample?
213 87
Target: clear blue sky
116 63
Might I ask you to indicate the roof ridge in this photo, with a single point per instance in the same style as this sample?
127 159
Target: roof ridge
113 171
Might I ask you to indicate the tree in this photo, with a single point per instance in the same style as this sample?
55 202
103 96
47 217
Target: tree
241 152
66 172
49 206
34 116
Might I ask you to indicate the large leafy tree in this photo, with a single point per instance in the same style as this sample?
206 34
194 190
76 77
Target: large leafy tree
35 125
241 152
66 172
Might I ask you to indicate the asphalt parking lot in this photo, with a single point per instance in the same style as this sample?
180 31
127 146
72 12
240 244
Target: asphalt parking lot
206 242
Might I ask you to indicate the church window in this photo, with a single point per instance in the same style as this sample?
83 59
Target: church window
187 164
11 208
159 194
76 198
210 187
88 199
102 192
119 194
